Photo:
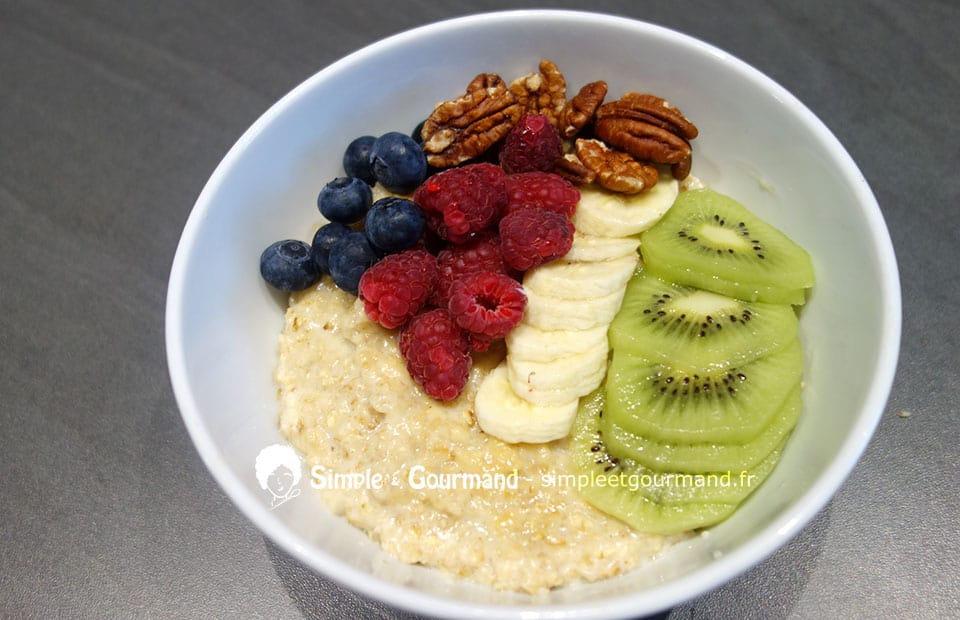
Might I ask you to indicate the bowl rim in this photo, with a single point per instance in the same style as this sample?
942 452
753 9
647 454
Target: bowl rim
657 598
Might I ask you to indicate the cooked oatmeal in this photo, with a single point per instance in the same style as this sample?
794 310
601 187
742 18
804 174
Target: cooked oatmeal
349 405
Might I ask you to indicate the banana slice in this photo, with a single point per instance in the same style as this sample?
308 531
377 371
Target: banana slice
567 280
574 374
527 389
588 248
500 412
552 313
608 214
533 344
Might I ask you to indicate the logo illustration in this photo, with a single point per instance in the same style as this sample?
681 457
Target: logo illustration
278 470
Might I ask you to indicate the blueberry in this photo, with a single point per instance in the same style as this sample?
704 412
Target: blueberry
350 256
356 159
345 200
288 266
323 240
417 133
398 162
394 224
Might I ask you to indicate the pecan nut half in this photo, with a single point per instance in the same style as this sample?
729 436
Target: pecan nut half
544 92
656 110
580 110
647 127
572 169
464 128
615 170
681 169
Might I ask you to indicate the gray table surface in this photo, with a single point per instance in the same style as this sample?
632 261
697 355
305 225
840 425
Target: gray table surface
114 114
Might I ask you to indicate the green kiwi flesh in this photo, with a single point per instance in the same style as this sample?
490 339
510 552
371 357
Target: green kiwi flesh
701 457
649 501
694 329
667 404
710 241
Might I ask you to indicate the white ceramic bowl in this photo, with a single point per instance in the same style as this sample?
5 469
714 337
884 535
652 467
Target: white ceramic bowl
757 143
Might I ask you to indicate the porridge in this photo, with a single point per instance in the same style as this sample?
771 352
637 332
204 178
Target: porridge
349 405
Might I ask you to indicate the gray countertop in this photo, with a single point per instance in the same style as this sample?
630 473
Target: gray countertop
114 114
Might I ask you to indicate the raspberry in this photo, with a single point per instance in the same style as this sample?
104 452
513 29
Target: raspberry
461 202
397 287
487 303
481 254
532 144
479 342
543 190
531 237
437 353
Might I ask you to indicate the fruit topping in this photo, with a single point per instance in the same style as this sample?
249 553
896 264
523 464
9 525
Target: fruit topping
398 162
350 257
462 202
533 144
501 412
396 288
487 303
695 329
454 261
542 190
697 458
580 280
607 214
323 240
732 404
437 353
356 159
394 224
668 502
711 241
288 266
345 200
531 237
704 385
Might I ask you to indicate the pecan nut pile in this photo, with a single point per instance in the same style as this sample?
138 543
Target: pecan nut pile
466 127
618 144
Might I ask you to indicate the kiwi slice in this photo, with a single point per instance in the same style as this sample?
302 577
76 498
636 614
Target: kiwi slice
710 241
700 457
731 405
695 329
654 502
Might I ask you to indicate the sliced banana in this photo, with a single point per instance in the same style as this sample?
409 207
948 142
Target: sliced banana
558 352
500 412
552 313
524 384
608 214
576 280
533 344
593 248
571 372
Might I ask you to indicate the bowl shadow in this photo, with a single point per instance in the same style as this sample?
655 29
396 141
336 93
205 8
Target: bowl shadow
774 586
324 599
